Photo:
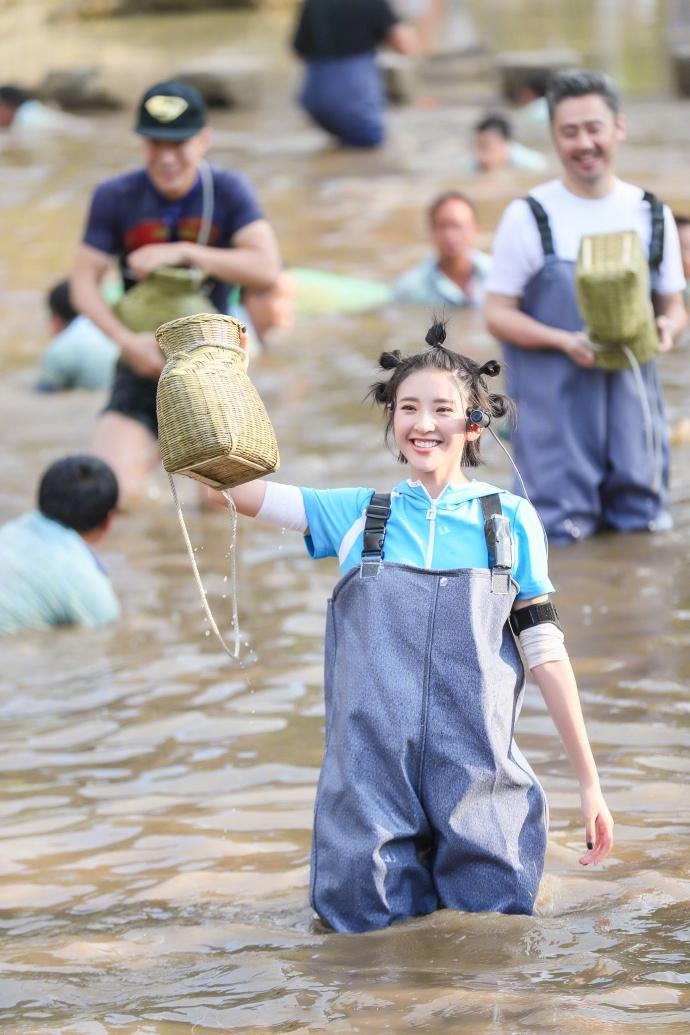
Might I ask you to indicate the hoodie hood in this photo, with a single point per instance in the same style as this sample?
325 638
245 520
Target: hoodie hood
450 499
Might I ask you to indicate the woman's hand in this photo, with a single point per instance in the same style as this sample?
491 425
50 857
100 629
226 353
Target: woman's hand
598 825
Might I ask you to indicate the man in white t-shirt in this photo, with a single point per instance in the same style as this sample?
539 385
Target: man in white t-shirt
592 445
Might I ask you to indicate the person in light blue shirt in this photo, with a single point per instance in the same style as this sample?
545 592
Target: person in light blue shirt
496 150
425 800
454 275
80 355
29 119
49 572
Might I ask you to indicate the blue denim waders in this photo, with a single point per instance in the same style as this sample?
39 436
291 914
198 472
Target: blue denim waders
580 441
424 799
345 96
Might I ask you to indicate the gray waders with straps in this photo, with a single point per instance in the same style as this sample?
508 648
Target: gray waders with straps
592 445
424 799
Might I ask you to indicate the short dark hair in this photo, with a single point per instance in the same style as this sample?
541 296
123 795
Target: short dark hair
577 83
538 81
13 96
59 302
470 375
495 123
450 195
681 220
78 491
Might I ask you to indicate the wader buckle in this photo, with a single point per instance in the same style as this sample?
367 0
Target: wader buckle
499 544
377 515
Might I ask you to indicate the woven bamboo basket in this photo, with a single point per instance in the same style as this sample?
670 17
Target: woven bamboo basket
212 424
168 293
613 291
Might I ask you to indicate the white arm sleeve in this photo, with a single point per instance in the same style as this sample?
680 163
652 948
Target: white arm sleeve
283 505
542 643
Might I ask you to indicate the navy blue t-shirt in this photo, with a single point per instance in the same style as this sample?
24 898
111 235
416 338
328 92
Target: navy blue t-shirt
128 212
328 29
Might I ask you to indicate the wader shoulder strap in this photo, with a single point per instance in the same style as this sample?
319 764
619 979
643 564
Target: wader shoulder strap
499 543
656 244
376 519
543 225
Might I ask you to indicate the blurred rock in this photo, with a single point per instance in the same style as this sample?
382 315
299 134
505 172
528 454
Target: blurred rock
232 82
516 67
400 76
77 89
117 8
681 69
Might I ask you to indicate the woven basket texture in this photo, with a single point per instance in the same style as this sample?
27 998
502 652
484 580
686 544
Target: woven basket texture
168 293
613 291
212 424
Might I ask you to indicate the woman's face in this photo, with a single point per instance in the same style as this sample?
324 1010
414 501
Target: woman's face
430 425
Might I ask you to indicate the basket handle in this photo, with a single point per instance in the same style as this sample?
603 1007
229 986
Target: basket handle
235 652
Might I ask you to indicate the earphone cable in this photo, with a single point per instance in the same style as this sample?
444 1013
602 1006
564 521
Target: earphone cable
522 484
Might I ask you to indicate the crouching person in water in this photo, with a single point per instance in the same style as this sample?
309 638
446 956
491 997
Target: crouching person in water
424 799
49 572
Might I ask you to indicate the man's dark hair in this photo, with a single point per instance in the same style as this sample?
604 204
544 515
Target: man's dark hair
450 195
496 124
13 96
537 82
59 302
79 492
681 220
576 83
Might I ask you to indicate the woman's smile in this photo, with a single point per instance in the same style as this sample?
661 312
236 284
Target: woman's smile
425 444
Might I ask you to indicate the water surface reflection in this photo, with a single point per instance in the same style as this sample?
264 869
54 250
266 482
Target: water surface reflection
157 800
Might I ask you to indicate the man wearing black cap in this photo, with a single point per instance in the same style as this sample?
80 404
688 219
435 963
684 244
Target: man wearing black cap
176 211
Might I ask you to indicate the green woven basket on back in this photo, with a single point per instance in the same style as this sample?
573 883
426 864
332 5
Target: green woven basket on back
613 291
212 424
166 294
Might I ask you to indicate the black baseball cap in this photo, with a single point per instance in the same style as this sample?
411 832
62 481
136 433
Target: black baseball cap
171 111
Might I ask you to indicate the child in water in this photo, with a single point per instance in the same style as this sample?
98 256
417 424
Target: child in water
424 799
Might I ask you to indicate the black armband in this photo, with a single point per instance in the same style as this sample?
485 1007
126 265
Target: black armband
533 614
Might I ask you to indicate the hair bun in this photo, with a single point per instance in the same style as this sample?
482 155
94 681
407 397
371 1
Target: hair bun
390 360
492 368
436 335
498 404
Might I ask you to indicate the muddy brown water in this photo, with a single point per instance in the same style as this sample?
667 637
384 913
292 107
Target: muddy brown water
155 799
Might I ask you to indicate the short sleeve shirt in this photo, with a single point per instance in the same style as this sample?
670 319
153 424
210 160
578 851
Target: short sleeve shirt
80 356
438 535
49 576
518 254
342 28
427 284
128 212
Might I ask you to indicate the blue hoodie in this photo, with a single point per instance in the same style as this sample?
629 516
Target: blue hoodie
439 534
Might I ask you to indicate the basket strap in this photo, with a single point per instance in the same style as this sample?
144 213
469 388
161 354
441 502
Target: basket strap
235 652
543 225
656 244
207 203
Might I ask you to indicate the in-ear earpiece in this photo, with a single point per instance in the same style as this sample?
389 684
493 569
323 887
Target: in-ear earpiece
480 418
